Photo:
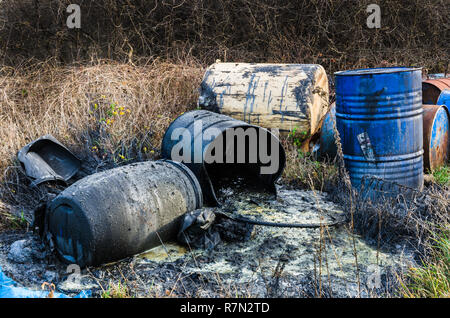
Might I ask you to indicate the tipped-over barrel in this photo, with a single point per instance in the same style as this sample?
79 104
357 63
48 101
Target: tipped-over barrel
215 146
281 96
120 212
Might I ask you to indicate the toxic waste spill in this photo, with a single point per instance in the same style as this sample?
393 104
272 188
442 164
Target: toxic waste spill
265 262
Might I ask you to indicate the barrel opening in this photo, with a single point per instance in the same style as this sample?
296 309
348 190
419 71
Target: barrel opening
211 145
430 93
246 152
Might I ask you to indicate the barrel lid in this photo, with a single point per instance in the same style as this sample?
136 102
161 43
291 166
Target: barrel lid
379 70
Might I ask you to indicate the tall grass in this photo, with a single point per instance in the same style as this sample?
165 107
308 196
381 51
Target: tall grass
109 113
433 278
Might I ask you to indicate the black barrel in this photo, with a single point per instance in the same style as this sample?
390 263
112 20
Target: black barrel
244 154
120 212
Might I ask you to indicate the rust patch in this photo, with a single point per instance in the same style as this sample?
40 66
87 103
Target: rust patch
432 88
435 155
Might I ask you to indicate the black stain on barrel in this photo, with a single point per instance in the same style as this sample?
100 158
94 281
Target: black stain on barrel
289 113
208 98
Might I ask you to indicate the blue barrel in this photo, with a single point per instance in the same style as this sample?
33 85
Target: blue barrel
379 118
436 123
328 147
444 98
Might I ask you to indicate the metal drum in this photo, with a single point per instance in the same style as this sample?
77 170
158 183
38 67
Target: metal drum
432 89
120 212
444 98
282 96
216 147
436 120
328 147
379 119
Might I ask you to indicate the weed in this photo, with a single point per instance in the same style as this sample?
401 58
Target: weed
298 137
116 291
433 278
442 175
302 170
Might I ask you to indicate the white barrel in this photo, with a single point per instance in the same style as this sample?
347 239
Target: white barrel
282 96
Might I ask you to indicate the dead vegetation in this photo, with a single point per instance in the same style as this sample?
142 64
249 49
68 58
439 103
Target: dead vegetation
110 113
331 33
109 90
304 171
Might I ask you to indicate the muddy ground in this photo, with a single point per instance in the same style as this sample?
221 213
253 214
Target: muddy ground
257 261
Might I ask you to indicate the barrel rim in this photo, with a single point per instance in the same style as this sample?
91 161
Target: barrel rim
377 70
192 178
442 96
199 169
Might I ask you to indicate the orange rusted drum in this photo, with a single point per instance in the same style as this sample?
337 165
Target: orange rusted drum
436 121
432 88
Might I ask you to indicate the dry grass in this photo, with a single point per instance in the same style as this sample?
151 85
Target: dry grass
331 33
108 113
112 112
303 171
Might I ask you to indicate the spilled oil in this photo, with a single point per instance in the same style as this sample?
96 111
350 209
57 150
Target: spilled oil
288 206
291 262
270 262
167 252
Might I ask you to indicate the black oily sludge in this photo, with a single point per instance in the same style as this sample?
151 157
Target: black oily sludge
194 130
120 212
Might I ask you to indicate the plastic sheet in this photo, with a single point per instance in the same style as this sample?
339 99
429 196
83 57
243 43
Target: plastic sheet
196 230
46 159
10 289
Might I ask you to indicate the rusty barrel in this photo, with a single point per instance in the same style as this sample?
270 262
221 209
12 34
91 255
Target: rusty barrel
379 119
432 89
216 147
436 120
120 212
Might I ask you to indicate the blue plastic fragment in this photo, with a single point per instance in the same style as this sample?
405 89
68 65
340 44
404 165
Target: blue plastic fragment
10 289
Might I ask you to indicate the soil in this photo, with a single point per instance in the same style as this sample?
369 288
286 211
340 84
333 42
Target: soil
259 262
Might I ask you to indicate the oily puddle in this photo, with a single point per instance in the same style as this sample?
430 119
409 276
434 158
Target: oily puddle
168 252
302 261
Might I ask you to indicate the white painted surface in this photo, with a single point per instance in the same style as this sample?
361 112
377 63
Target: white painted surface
283 96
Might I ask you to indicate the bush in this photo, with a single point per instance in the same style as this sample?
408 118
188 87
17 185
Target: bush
331 33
